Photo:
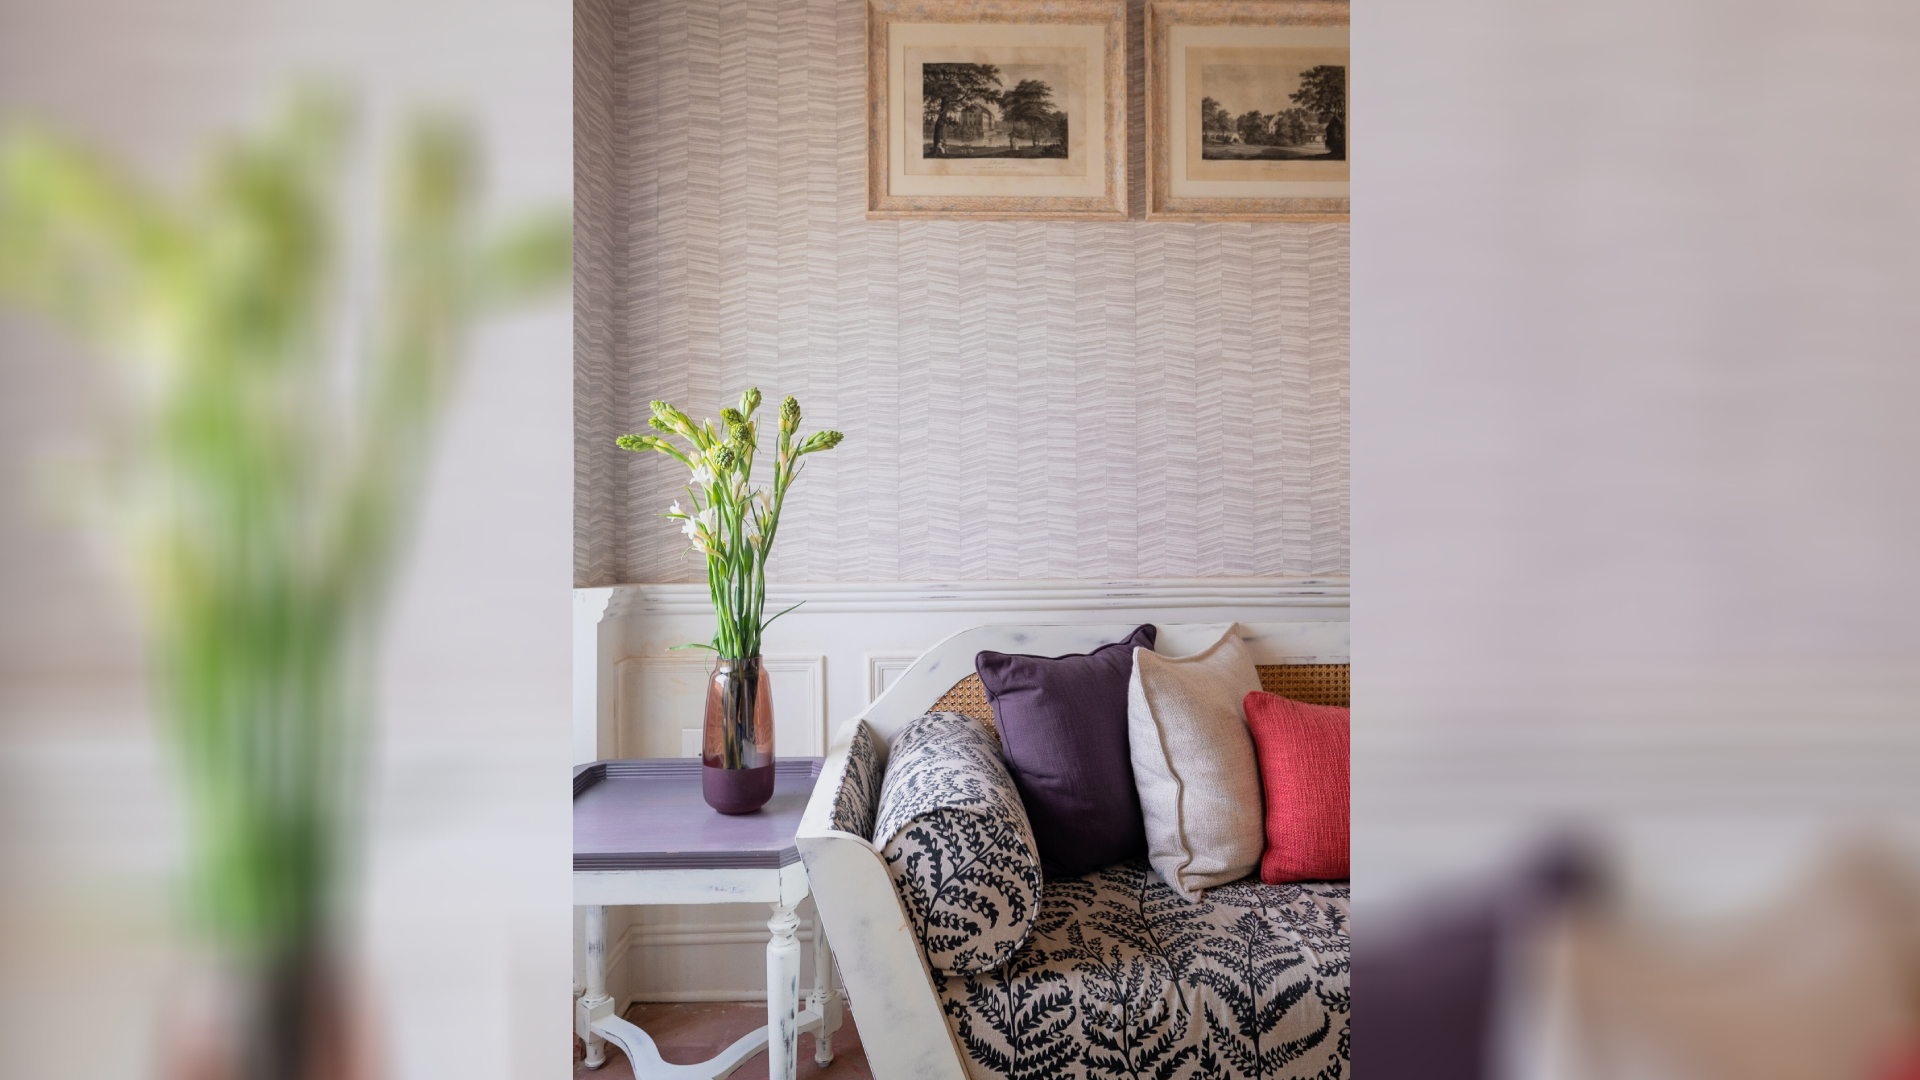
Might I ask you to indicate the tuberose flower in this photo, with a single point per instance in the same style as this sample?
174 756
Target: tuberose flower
718 461
701 527
702 472
821 440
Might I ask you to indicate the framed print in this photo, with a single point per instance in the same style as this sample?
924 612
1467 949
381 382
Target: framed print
997 109
1247 110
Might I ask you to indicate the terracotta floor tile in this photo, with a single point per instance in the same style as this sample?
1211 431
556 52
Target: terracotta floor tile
686 1033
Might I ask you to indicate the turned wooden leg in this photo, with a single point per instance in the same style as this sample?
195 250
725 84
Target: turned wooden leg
825 1002
594 1004
783 993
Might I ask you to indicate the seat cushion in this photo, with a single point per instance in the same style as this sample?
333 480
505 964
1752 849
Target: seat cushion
1125 977
1193 763
957 844
1063 733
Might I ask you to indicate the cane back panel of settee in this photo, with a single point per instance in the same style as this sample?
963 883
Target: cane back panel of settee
1315 684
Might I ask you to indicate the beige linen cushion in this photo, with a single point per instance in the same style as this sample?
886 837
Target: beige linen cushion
1194 764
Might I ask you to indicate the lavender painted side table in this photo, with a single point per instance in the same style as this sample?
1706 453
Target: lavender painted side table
642 834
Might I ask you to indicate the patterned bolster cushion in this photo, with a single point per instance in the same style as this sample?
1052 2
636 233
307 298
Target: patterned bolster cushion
957 843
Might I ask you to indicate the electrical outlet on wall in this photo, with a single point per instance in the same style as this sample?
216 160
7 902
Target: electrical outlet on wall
689 742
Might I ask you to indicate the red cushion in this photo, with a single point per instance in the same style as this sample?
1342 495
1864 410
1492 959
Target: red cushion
1304 772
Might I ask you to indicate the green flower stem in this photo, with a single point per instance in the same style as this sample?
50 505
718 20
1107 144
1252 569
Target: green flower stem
744 520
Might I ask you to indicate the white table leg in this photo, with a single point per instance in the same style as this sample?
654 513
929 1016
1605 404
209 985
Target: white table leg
783 993
825 1002
597 1025
595 1004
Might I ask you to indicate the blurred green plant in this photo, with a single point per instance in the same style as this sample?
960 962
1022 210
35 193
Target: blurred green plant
265 471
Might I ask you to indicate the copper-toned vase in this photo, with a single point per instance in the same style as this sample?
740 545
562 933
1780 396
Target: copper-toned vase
737 749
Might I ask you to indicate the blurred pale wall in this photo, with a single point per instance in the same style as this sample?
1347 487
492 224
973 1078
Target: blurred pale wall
467 929
1635 490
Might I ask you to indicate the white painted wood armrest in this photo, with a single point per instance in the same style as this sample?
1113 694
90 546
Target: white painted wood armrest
886 977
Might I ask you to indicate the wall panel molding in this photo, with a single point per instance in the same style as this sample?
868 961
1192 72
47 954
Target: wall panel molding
660 698
636 695
733 949
883 668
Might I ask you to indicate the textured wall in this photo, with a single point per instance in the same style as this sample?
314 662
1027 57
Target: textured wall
1021 399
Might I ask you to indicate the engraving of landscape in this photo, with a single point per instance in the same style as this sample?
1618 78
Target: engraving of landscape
993 110
1274 110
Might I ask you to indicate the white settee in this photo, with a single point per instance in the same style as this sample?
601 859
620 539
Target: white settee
1116 974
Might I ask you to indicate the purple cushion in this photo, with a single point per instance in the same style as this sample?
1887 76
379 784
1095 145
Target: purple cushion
1063 731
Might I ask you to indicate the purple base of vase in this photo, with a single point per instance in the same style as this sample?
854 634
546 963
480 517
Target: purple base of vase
737 791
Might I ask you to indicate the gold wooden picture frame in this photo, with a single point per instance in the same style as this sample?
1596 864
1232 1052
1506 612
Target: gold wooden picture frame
1247 110
997 109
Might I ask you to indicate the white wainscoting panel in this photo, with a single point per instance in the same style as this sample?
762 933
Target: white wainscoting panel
662 698
715 952
883 668
832 655
827 660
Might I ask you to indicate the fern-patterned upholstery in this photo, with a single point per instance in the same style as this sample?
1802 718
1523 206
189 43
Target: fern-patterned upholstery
859 795
957 844
1125 978
1108 975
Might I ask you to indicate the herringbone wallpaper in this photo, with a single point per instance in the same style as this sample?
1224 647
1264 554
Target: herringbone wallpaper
1021 399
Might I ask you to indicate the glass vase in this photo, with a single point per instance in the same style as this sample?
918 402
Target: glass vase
737 745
